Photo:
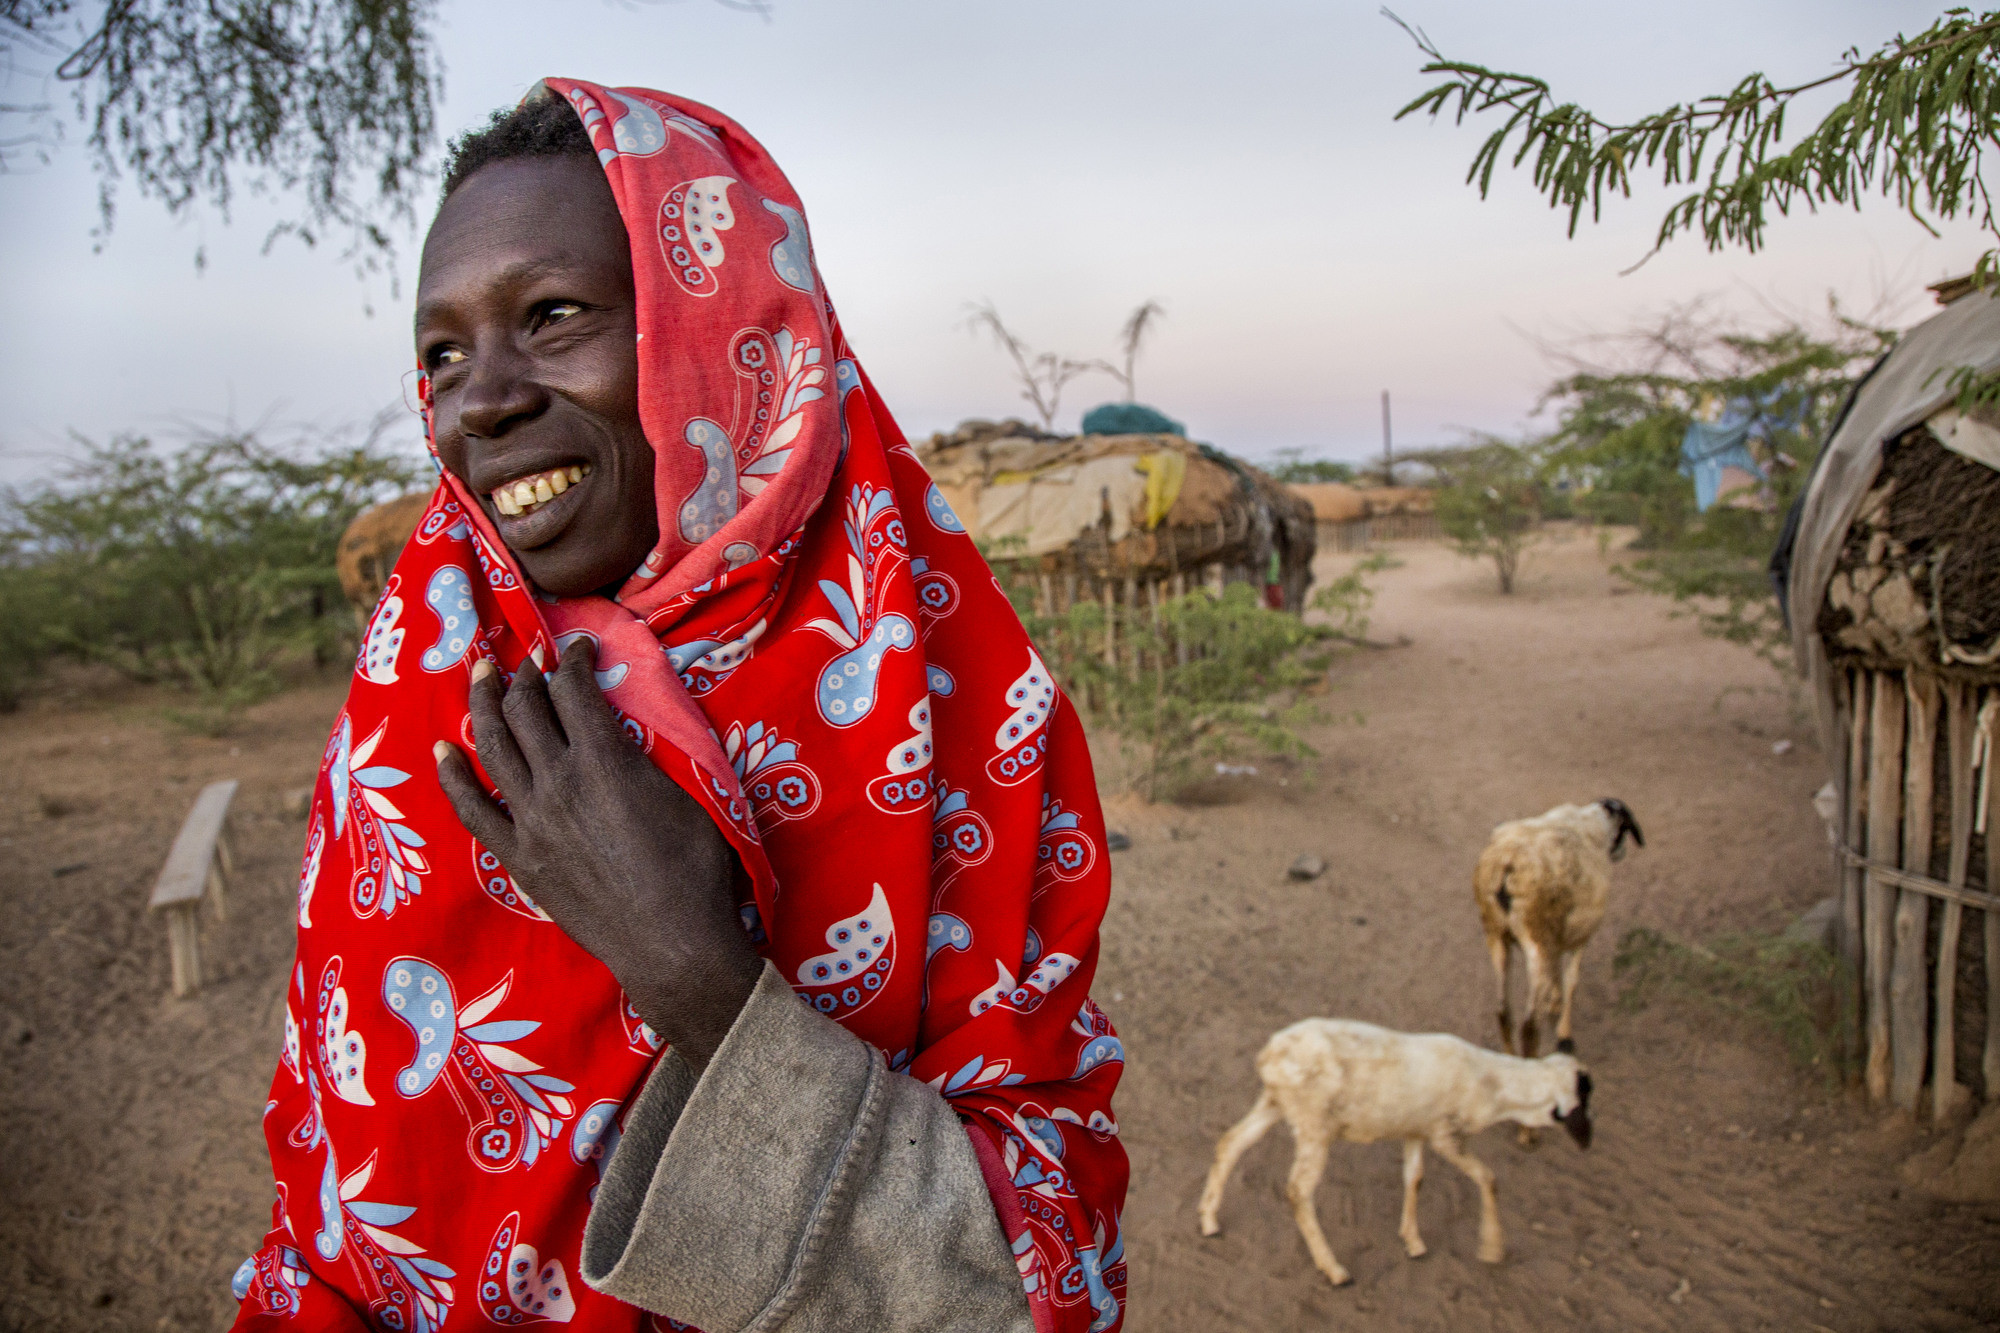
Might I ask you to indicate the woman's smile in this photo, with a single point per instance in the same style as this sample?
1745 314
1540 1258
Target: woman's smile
533 509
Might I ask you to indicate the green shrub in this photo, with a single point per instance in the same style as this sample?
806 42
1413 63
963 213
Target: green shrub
1490 503
1791 987
1202 677
1347 600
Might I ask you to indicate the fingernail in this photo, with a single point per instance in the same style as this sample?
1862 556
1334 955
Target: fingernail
481 669
441 751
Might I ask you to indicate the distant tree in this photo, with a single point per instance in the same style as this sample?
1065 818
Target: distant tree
1914 127
1617 443
198 566
1293 466
1489 503
1130 339
1041 375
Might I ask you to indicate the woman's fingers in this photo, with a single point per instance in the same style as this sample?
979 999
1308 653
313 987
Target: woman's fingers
580 706
532 720
497 751
476 810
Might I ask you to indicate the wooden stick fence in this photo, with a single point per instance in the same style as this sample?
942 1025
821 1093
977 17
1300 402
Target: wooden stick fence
1128 603
1890 841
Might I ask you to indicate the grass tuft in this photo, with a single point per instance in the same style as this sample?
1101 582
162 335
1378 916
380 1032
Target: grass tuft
1790 987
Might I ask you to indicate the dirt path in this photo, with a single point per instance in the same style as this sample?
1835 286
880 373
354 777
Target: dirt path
1724 1190
134 1175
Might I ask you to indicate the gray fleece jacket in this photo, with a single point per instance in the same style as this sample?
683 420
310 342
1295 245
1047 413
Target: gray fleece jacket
800 1185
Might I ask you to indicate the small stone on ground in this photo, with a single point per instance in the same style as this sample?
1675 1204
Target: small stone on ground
1307 867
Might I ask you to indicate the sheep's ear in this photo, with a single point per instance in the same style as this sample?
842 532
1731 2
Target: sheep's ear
1577 1122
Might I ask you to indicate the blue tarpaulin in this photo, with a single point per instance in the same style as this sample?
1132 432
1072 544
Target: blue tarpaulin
1708 448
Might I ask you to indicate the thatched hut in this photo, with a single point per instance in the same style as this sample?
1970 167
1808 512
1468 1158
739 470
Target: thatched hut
1122 518
1890 574
369 547
1348 517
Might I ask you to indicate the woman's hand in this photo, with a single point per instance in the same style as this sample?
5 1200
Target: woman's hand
610 847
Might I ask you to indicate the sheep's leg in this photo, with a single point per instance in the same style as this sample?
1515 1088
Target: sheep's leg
1498 948
1308 1163
1227 1152
1492 1245
1542 993
1541 997
1413 1176
1572 972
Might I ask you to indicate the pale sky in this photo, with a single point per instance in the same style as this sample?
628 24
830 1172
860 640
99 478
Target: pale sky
1066 159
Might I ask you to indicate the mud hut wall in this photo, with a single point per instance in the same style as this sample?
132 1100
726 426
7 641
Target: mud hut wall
1916 868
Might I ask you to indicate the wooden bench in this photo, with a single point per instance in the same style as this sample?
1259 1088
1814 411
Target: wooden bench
196 866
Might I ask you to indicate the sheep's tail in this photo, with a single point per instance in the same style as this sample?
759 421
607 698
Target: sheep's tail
1490 879
1232 1146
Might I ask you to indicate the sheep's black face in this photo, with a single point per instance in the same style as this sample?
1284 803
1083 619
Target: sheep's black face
1621 816
1577 1119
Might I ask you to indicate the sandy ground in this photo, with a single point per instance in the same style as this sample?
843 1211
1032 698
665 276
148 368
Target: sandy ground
1726 1188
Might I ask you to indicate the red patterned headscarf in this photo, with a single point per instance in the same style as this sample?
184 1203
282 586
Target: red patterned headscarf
817 652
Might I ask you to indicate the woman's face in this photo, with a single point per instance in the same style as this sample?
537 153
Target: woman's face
527 327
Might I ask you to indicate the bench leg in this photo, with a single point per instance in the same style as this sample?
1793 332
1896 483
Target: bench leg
184 944
215 883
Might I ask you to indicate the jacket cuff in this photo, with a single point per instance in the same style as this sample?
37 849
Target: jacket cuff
718 1197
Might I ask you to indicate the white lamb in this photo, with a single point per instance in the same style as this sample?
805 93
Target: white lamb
1542 885
1331 1078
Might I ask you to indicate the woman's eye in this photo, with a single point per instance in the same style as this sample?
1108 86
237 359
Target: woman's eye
557 311
445 356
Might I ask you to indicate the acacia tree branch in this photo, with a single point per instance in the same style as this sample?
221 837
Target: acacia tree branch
1914 128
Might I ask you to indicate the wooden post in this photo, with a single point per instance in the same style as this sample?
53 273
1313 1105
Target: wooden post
1110 623
1990 1066
1047 586
1159 594
1885 817
1909 993
1132 618
1854 830
1180 644
1946 1091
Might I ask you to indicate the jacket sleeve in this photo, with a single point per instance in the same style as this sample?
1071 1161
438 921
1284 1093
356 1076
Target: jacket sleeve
798 1184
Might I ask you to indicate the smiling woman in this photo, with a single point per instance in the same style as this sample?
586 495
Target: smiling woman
763 773
527 329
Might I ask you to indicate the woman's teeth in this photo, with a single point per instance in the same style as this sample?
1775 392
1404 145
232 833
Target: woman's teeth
524 493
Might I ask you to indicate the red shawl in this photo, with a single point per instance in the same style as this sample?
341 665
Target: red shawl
817 652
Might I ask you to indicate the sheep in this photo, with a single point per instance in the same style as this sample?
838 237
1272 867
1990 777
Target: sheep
1331 1078
1541 885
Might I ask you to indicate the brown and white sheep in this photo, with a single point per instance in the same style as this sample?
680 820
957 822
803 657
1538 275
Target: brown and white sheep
1330 1078
1542 885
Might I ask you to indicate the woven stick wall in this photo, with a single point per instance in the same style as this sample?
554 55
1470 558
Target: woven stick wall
1909 625
1920 926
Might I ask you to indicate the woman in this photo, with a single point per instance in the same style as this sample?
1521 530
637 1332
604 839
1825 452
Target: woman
779 738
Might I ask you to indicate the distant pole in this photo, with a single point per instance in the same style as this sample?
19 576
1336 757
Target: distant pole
1388 449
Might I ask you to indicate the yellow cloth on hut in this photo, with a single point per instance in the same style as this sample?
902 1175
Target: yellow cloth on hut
1165 470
